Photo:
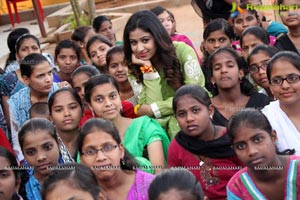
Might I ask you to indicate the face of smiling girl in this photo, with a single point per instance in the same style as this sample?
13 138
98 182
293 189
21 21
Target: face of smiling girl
142 44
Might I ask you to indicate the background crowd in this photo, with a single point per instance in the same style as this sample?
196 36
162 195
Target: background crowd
151 116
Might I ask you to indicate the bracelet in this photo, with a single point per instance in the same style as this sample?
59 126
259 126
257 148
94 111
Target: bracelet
147 69
136 108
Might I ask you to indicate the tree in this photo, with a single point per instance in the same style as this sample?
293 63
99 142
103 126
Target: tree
76 10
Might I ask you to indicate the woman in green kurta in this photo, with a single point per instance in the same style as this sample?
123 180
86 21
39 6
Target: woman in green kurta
102 96
161 65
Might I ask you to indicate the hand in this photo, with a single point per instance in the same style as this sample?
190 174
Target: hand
63 84
145 110
137 61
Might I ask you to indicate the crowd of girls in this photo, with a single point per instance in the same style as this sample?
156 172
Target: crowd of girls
105 119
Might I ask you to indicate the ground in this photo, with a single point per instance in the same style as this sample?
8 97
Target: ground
116 3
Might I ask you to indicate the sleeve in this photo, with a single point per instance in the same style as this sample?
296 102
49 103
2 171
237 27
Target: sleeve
6 85
151 91
162 108
151 95
154 132
191 68
231 195
14 132
235 187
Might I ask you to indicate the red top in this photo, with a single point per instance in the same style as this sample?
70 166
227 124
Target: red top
128 111
4 141
213 174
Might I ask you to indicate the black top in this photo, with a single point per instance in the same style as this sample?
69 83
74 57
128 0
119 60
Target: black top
284 43
257 100
212 9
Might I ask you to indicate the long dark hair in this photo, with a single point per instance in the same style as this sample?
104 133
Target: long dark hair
165 50
181 180
76 175
218 24
11 43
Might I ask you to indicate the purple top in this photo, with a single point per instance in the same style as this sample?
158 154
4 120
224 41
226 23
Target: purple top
139 189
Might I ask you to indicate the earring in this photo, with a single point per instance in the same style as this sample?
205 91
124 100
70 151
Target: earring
214 85
122 162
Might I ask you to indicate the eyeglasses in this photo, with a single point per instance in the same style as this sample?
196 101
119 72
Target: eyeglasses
105 150
290 78
255 68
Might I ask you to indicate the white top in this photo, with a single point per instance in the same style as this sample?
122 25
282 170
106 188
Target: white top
287 133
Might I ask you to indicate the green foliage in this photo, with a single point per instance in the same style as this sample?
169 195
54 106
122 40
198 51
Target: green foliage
84 20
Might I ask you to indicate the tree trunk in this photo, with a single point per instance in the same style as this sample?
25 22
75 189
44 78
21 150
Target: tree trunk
76 10
92 10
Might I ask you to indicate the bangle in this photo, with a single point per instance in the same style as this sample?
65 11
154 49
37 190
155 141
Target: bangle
136 108
147 69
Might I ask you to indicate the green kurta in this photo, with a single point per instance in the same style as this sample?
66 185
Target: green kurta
157 93
139 134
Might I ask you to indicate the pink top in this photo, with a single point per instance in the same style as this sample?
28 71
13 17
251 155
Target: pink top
236 43
139 189
185 39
